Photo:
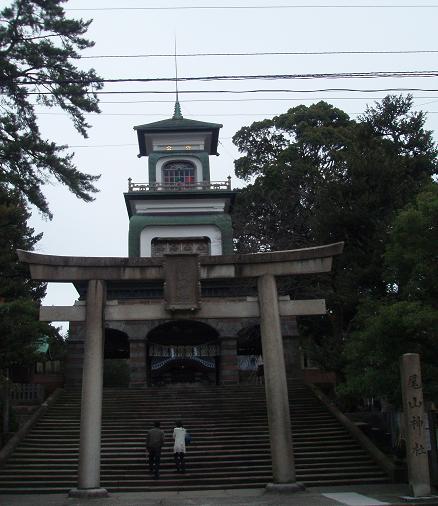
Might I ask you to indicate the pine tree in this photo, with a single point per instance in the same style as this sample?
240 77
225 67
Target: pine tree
38 49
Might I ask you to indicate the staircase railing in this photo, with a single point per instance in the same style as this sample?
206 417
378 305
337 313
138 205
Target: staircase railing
16 439
383 460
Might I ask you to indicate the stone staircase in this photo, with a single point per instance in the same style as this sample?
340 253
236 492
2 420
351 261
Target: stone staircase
230 447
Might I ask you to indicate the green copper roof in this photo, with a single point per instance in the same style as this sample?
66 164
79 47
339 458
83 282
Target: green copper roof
177 123
174 125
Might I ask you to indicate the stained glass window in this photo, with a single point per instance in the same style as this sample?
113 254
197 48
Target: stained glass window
179 173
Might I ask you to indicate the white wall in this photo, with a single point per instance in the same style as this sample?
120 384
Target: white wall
167 206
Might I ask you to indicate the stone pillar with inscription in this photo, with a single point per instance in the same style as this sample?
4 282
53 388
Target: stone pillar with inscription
415 423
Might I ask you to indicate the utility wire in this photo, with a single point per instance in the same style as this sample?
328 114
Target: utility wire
240 92
259 77
262 53
246 7
166 115
269 99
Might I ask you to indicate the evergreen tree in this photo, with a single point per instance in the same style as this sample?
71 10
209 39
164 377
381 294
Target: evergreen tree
15 281
20 330
21 333
319 177
406 319
38 46
38 49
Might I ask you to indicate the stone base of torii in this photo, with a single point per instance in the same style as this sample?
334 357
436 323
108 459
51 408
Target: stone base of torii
181 275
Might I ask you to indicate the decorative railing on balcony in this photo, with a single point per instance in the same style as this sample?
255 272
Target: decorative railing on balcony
177 187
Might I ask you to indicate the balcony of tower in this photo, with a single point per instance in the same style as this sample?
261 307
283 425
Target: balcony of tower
209 186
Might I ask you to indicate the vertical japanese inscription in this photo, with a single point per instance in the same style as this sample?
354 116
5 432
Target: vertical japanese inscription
413 405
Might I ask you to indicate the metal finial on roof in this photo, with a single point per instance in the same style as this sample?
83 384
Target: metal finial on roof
177 112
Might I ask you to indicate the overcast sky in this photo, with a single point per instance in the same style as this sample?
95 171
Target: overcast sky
100 228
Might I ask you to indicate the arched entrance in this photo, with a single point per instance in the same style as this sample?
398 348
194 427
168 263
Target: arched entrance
182 351
116 355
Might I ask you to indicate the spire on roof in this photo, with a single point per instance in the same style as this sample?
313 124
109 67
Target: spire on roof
177 113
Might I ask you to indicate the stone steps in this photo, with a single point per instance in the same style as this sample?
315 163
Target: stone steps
230 446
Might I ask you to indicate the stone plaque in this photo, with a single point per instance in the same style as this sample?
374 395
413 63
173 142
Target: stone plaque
181 287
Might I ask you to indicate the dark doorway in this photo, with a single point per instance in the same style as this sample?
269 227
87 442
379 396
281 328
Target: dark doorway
116 344
182 352
249 341
116 355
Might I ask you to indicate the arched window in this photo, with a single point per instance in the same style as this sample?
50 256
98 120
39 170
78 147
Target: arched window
179 173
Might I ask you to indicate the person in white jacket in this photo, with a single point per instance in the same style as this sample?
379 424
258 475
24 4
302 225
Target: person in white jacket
179 448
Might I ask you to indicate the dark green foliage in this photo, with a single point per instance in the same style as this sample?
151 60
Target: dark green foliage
406 319
319 177
20 330
387 331
412 253
291 157
37 46
15 234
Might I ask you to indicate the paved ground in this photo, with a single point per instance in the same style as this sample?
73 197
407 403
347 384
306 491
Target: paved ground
364 495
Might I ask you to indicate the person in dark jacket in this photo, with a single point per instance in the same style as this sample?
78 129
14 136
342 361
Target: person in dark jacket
154 443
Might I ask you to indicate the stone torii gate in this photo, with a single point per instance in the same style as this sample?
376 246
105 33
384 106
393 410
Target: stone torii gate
181 275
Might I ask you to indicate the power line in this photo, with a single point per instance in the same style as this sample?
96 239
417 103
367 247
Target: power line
264 7
268 99
257 77
166 114
263 53
239 92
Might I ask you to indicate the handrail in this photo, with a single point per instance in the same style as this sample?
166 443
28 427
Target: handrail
382 460
10 446
177 187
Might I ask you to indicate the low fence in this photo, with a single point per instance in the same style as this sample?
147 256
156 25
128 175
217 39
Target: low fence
23 392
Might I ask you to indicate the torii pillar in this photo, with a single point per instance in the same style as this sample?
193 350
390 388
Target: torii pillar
92 390
277 400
